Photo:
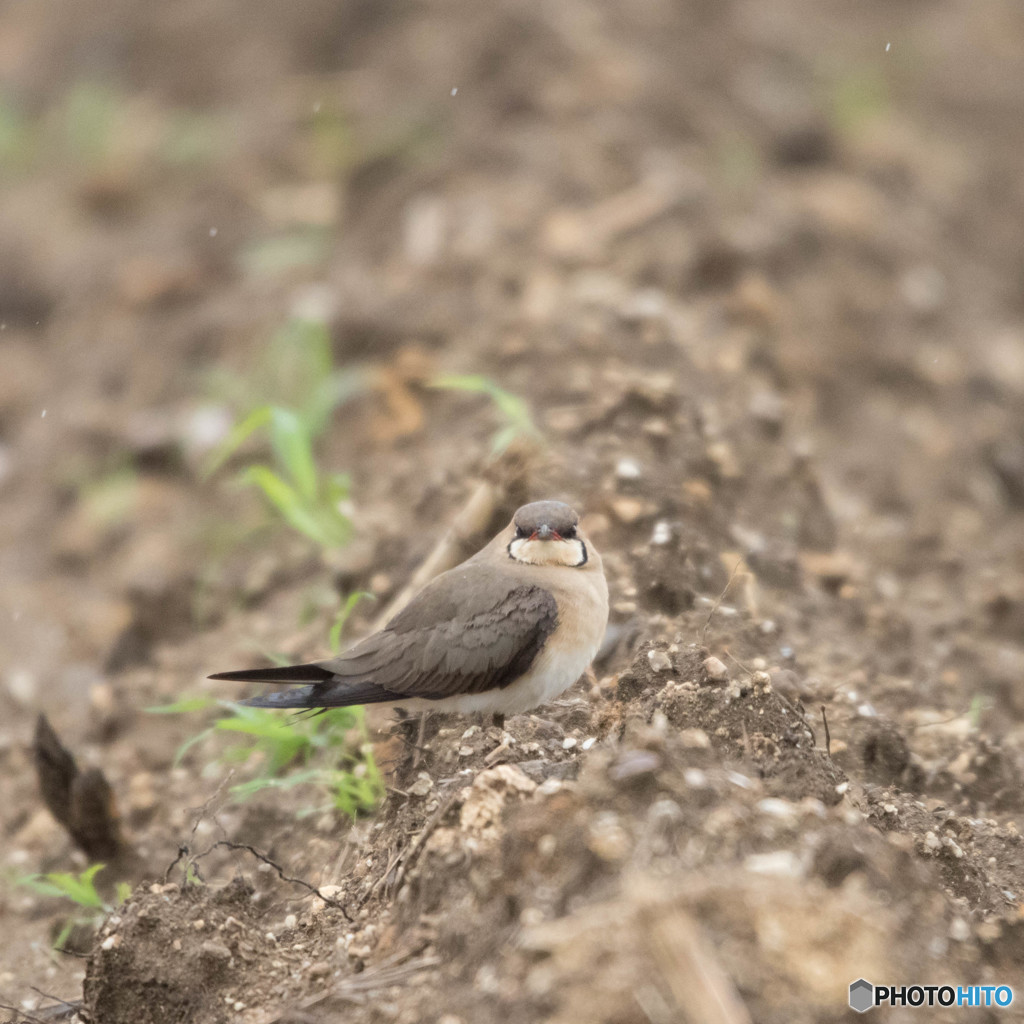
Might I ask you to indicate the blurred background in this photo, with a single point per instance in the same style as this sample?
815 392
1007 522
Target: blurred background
280 285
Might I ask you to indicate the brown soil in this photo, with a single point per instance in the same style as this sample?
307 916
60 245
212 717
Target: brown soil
757 273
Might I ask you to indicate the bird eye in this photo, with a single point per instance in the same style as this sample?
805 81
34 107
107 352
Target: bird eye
570 534
520 532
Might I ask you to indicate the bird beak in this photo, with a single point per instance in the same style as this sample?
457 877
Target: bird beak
545 533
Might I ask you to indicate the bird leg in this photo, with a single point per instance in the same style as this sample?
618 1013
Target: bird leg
418 748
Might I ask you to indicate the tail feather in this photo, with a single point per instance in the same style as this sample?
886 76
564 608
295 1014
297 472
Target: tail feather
326 692
301 697
311 673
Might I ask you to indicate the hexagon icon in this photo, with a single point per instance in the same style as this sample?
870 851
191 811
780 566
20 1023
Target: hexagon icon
862 995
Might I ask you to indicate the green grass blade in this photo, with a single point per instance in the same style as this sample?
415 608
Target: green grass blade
240 433
294 450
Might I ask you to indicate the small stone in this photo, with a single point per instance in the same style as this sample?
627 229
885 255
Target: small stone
215 951
328 892
695 739
569 742
608 839
659 661
776 808
627 469
662 533
629 510
546 845
951 844
199 925
715 670
632 764
779 864
111 942
422 786
320 969
959 929
291 921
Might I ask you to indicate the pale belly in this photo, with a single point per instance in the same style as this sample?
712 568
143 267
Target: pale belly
551 675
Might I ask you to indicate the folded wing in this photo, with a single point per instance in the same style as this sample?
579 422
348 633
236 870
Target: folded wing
469 631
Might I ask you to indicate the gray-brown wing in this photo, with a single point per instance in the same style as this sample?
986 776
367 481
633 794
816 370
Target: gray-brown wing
469 631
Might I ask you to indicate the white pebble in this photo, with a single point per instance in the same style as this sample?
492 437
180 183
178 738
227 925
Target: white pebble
659 661
662 533
779 864
627 469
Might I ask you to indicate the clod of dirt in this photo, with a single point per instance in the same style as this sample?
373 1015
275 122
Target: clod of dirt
82 802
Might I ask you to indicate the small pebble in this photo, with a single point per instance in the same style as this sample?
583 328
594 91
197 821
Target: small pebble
422 786
634 763
215 951
569 742
659 661
695 739
662 533
776 808
291 921
627 469
779 864
715 670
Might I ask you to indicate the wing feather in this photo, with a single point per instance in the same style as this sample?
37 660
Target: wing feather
467 632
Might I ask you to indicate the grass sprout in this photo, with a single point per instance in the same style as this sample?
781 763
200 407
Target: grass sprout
513 411
332 748
81 890
306 389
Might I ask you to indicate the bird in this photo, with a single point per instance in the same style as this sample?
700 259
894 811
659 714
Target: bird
507 630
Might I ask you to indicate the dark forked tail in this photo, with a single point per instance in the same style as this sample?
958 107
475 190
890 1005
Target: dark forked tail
311 673
327 690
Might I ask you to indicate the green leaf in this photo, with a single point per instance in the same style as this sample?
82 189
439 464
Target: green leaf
79 888
279 493
240 433
180 753
513 409
349 606
294 451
